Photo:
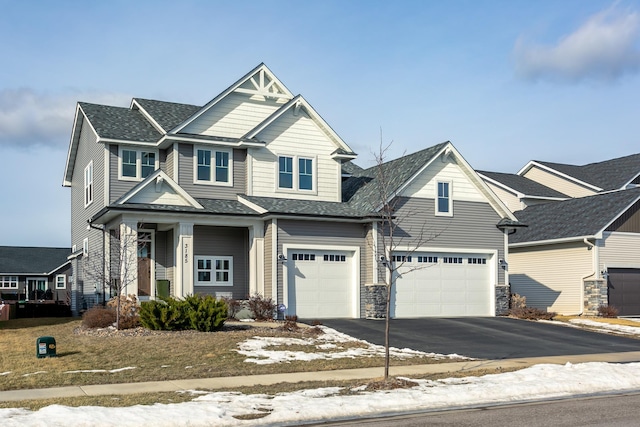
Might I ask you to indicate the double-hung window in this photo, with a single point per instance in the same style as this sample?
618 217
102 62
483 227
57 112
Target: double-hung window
88 184
296 173
213 271
444 205
61 281
136 165
212 166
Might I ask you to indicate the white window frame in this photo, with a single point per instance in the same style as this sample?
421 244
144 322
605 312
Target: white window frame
61 281
214 151
88 184
449 196
295 184
139 153
85 246
8 282
213 281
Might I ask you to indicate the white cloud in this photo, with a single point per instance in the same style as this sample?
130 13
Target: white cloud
605 48
29 118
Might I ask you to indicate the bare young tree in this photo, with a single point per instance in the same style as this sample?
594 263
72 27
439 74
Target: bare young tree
116 267
397 240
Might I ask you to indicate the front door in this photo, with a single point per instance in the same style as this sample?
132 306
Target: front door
144 264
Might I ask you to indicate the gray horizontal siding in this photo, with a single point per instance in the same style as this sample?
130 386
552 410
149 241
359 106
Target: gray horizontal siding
472 226
329 234
185 179
225 241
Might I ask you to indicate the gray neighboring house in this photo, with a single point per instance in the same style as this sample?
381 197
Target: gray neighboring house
582 247
34 273
254 193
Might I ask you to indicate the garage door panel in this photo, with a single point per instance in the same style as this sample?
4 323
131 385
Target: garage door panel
320 283
624 290
455 285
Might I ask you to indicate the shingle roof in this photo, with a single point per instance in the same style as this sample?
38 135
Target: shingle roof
167 114
523 185
120 123
584 216
351 168
31 260
211 206
307 207
608 175
362 190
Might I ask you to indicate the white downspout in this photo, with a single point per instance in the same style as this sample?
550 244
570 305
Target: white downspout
592 247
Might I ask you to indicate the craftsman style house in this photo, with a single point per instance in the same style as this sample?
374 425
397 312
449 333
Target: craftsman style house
254 193
582 247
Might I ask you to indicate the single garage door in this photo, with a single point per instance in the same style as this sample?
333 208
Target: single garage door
624 290
443 285
320 284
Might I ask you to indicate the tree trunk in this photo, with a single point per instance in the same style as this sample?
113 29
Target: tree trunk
386 334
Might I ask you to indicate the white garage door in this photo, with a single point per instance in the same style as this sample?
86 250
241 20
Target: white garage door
444 285
320 284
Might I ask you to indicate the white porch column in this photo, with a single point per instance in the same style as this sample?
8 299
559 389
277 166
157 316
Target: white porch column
256 259
184 259
128 257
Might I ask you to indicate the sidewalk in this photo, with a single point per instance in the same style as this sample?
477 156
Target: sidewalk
345 374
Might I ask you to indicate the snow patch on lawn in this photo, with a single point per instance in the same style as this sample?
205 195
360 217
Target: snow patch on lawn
257 349
607 327
98 371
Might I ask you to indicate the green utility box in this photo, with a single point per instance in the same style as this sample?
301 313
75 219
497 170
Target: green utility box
162 288
45 347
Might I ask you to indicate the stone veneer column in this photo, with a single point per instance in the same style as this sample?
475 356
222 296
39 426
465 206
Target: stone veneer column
595 295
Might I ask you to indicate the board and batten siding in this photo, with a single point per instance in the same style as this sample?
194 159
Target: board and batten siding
293 135
551 276
558 183
224 241
321 233
186 176
619 250
629 221
233 116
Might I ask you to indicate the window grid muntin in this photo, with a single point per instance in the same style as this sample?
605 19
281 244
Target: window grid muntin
443 197
10 282
147 163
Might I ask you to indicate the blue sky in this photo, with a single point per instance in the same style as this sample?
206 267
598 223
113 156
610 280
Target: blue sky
506 81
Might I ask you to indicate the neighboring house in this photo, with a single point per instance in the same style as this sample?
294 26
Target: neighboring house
34 273
254 193
586 180
518 192
573 249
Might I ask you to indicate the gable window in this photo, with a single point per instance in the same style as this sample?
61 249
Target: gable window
212 166
9 282
88 184
61 281
135 165
295 173
443 199
213 271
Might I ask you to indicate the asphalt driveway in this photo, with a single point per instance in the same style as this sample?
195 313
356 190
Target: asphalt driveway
486 337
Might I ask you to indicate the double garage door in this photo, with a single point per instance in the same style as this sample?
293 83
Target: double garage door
443 285
624 290
323 284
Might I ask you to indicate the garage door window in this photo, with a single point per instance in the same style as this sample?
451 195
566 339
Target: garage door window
303 257
335 258
476 261
428 259
401 258
214 271
452 260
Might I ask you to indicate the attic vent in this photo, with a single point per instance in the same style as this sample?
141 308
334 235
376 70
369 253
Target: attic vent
446 155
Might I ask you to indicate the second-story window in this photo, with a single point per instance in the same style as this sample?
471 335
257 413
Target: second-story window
88 184
443 199
212 166
295 173
135 165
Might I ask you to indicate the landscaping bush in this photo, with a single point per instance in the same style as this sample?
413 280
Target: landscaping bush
98 317
164 314
531 313
290 323
518 301
206 313
202 313
262 308
234 306
129 311
605 310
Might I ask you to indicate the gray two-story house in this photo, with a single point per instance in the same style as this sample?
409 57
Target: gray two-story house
254 193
